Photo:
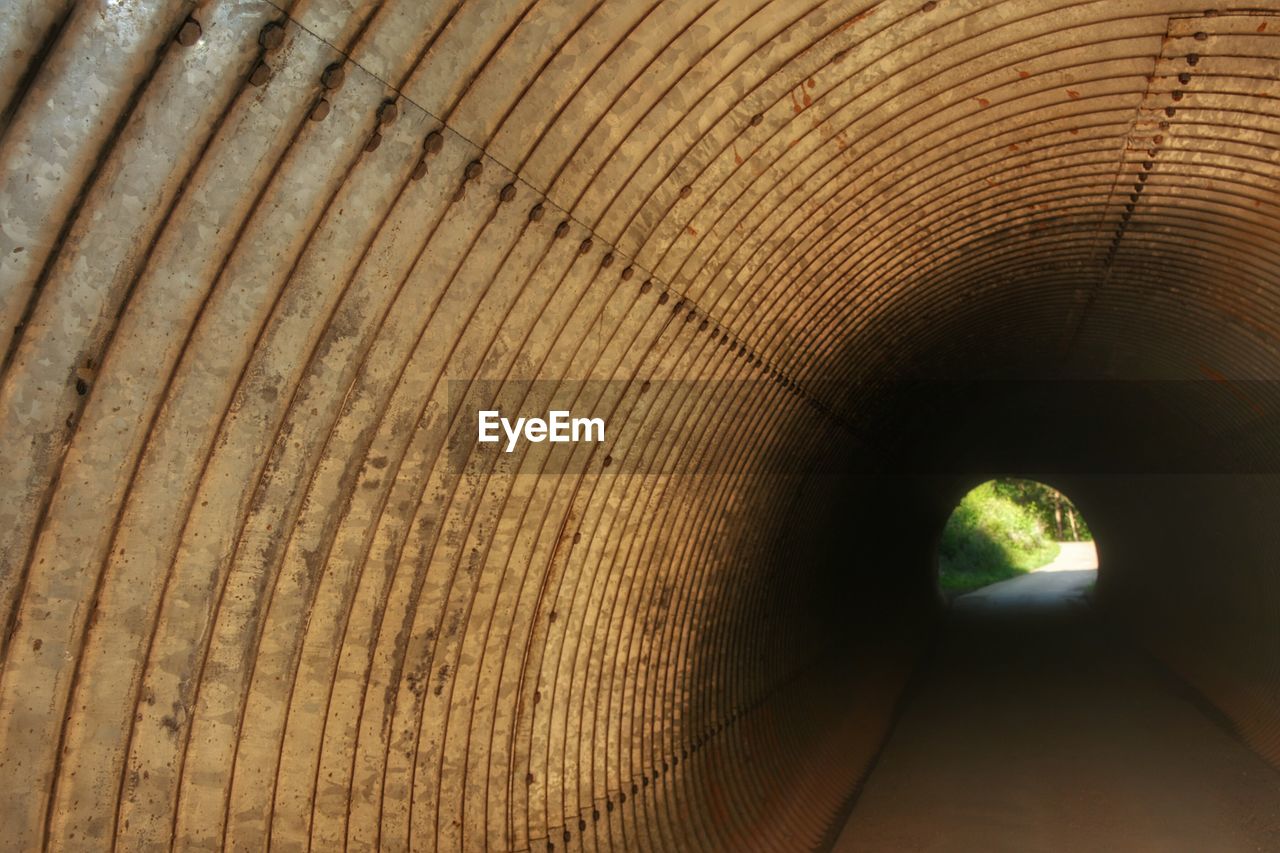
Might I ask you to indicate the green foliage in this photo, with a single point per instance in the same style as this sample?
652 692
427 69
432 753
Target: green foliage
1058 515
991 537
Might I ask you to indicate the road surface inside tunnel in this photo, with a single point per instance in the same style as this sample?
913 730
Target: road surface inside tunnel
1036 728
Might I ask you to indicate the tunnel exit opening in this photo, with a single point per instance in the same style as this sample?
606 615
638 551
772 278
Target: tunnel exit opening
1009 527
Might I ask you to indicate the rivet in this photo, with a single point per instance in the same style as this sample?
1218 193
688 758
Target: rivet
562 229
702 327
537 696
374 141
82 387
724 339
930 6
582 825
1193 58
507 193
622 796
551 617
1147 165
271 36
644 288
1177 96
1164 125
608 460
627 273
577 537
189 33
551 845
460 193
260 74
1202 36
473 170
419 171
333 76
685 191
607 260
319 111
567 835
595 814
689 317
756 120
644 386
608 805
662 297
528 778
388 112
535 212
635 789
1184 78
584 247
1142 178
433 142
1128 208
1170 111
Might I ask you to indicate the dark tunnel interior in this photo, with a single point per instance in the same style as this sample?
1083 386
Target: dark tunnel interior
819 265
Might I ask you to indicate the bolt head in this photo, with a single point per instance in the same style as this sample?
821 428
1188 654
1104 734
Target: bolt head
189 33
473 170
271 36
320 110
419 171
433 142
333 76
260 74
507 193
372 145
388 112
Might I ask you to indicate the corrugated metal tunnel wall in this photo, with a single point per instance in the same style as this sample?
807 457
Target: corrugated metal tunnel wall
259 263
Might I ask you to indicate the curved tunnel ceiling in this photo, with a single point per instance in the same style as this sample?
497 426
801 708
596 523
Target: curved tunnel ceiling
260 262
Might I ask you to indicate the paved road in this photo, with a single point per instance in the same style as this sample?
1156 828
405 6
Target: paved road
1036 729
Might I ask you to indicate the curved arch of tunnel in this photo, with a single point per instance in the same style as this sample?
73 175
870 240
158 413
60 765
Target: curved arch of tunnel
817 264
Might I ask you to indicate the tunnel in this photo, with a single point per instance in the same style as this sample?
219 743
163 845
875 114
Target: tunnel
818 266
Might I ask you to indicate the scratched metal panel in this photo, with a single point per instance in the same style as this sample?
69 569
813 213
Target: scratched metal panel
254 596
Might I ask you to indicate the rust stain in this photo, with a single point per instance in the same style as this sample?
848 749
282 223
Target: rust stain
983 101
1233 387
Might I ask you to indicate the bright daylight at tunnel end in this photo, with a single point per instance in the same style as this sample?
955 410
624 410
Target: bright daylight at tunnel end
529 425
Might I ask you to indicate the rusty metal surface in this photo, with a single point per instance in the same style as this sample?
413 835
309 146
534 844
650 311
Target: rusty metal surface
247 248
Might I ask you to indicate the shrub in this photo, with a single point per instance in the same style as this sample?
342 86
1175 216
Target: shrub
990 538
